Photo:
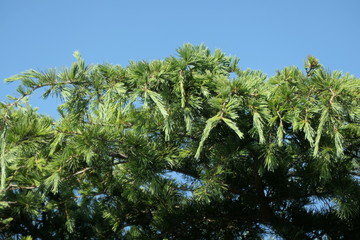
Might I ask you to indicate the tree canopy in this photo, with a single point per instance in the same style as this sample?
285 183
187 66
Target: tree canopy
189 147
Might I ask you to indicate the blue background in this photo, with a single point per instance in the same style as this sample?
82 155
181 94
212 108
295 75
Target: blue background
266 35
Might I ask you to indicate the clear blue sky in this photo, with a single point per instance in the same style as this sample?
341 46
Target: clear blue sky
266 35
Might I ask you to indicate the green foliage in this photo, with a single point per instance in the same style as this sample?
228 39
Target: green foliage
180 149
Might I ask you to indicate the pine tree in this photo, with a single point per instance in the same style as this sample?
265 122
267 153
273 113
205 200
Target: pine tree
181 149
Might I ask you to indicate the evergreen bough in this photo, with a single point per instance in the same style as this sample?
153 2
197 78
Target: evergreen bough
189 147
